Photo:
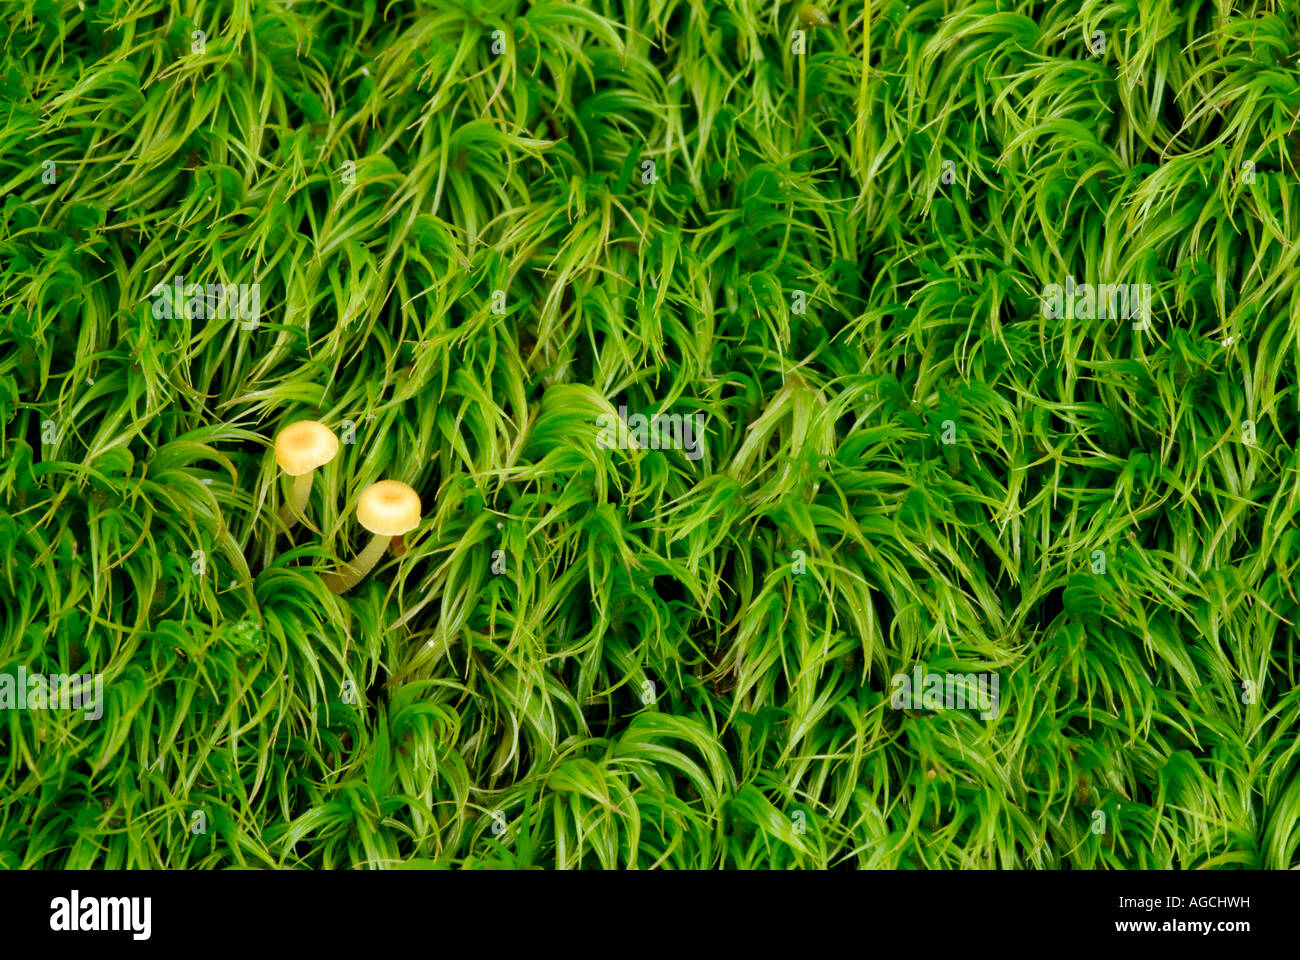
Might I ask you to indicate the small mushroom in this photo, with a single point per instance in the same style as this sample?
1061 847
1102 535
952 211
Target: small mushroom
299 449
387 509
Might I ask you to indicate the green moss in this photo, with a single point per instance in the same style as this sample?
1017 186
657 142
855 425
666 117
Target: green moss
468 248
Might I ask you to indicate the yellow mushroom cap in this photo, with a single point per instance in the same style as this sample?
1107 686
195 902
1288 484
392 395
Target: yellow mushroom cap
303 446
389 508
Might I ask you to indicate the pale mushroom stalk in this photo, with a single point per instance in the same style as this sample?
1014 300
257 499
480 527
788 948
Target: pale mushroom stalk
296 507
300 449
361 565
388 509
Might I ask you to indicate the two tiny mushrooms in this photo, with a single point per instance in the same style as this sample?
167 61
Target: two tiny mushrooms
388 508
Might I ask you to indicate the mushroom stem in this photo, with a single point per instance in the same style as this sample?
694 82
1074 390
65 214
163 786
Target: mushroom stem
294 510
356 570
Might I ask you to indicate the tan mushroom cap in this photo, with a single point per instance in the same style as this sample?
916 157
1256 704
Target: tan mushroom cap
303 446
389 508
